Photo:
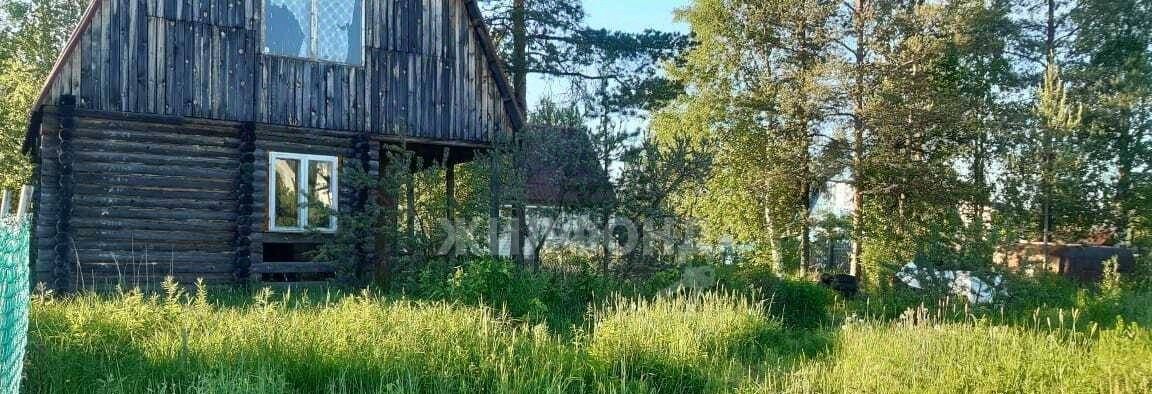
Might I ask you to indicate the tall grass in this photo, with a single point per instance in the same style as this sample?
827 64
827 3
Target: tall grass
712 342
976 358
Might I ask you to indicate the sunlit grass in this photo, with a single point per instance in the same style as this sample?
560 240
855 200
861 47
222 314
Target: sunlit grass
712 342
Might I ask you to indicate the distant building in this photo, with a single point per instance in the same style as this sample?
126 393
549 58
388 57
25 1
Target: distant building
1083 262
564 181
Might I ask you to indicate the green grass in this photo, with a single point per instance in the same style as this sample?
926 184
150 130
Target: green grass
713 342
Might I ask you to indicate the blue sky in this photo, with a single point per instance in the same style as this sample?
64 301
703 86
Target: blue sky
634 15
622 15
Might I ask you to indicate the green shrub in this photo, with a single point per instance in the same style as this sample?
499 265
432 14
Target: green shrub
561 298
799 304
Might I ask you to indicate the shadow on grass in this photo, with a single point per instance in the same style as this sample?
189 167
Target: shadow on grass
116 343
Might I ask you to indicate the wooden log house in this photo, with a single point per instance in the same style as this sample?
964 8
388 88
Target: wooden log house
194 138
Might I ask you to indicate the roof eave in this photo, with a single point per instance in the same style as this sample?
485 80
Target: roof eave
496 66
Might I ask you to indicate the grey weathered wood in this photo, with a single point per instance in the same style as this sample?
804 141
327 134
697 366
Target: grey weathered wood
428 70
293 268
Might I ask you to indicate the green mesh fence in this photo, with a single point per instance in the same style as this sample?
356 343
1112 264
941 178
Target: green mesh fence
14 239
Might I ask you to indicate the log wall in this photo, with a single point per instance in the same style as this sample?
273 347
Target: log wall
155 196
151 198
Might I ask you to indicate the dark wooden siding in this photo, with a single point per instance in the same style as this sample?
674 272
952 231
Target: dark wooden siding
151 199
425 74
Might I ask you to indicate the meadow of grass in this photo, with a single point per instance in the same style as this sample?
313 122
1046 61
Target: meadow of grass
715 341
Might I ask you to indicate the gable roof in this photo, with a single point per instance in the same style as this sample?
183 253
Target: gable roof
480 28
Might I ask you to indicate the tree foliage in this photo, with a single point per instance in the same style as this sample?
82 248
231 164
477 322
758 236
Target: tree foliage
32 34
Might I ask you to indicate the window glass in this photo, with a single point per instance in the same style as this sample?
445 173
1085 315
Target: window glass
329 30
321 193
287 193
305 192
287 27
340 30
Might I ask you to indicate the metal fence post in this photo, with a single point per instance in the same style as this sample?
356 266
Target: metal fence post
24 205
6 204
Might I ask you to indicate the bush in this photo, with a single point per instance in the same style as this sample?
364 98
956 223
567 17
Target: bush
799 304
559 298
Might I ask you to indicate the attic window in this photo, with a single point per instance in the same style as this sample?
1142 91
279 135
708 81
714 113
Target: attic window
327 30
303 192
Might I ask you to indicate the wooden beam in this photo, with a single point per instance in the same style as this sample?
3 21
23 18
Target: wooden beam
293 268
450 196
410 198
495 203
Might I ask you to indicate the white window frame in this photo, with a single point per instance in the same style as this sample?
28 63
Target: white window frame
303 191
314 36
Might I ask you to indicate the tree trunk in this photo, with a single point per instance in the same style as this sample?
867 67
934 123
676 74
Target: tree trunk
495 204
1047 144
450 204
806 229
774 241
605 240
520 51
410 201
855 263
519 209
520 79
1125 161
980 179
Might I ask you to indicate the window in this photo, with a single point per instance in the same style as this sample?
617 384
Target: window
303 192
328 30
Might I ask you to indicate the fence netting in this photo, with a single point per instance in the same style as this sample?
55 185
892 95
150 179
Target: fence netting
14 286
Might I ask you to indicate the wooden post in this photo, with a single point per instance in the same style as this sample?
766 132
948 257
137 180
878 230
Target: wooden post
450 199
25 201
494 205
519 209
6 205
410 198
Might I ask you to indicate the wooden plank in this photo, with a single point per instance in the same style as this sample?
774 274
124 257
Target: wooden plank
98 188
186 160
101 59
156 148
140 131
425 72
169 237
115 223
293 268
118 201
154 213
157 263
